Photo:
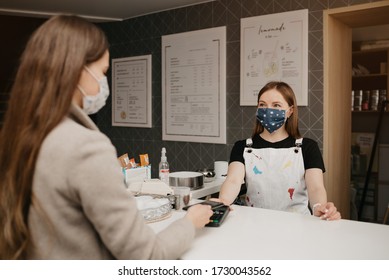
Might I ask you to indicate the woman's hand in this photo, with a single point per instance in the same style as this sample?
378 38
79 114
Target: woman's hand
222 201
199 215
326 211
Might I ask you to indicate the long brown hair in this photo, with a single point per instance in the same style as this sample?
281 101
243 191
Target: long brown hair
49 71
286 91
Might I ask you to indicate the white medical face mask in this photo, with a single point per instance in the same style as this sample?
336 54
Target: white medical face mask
93 103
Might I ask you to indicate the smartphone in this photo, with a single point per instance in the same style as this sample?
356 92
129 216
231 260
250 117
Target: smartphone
214 204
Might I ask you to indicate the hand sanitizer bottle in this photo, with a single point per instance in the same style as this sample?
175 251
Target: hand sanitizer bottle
164 168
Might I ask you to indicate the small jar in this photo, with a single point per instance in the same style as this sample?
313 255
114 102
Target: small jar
374 100
352 100
358 100
381 99
365 100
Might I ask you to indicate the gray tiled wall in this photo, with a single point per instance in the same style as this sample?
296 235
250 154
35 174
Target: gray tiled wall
142 35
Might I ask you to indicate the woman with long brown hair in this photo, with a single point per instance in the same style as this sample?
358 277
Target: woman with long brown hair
281 170
62 194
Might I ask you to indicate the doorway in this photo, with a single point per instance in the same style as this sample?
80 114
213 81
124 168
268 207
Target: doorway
337 55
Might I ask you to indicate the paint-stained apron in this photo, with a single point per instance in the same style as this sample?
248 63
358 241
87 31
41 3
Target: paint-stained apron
275 178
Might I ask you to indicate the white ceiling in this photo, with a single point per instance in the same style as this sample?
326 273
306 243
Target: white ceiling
113 10
98 10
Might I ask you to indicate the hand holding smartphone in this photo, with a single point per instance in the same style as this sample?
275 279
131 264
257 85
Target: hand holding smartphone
220 212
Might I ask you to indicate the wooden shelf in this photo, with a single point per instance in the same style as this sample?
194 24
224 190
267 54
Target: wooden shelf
368 112
370 76
358 51
374 62
365 121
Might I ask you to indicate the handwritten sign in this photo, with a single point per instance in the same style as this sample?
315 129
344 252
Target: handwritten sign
274 47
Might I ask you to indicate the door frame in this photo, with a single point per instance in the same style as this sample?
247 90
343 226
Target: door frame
337 60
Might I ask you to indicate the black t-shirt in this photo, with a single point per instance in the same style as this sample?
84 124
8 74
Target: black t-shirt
311 152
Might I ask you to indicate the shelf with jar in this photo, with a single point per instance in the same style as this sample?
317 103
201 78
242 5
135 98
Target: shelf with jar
367 100
370 79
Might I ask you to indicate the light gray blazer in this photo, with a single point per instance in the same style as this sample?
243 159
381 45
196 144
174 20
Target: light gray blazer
84 211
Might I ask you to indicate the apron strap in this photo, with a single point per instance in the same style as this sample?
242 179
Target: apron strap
298 144
249 143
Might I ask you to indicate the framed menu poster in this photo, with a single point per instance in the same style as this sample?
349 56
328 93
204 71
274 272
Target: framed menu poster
131 91
274 47
193 86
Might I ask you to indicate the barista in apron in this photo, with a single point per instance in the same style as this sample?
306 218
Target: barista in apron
282 171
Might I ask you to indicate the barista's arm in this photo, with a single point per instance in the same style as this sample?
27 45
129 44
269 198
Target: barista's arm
231 186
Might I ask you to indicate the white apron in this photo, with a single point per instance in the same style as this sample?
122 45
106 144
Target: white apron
275 178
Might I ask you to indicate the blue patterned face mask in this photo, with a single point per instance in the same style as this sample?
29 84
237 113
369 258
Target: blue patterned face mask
271 119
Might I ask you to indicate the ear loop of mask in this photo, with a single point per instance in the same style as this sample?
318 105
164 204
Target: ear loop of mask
94 77
287 118
91 72
82 90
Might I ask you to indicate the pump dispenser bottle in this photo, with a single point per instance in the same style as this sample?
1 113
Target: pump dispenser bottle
164 168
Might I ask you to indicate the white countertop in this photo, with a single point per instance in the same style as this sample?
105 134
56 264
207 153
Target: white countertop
253 233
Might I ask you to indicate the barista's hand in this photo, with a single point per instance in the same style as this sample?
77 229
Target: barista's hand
199 215
222 201
327 212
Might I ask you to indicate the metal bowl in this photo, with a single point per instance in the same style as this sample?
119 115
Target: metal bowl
209 174
194 180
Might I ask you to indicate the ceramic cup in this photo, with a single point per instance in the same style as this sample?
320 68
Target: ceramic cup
221 168
183 197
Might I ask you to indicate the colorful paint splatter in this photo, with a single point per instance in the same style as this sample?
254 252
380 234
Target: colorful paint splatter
291 191
256 170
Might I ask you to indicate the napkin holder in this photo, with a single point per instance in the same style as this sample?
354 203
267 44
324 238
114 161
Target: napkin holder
138 174
150 186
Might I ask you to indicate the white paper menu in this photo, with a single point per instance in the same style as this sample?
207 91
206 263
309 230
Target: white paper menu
193 86
131 91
